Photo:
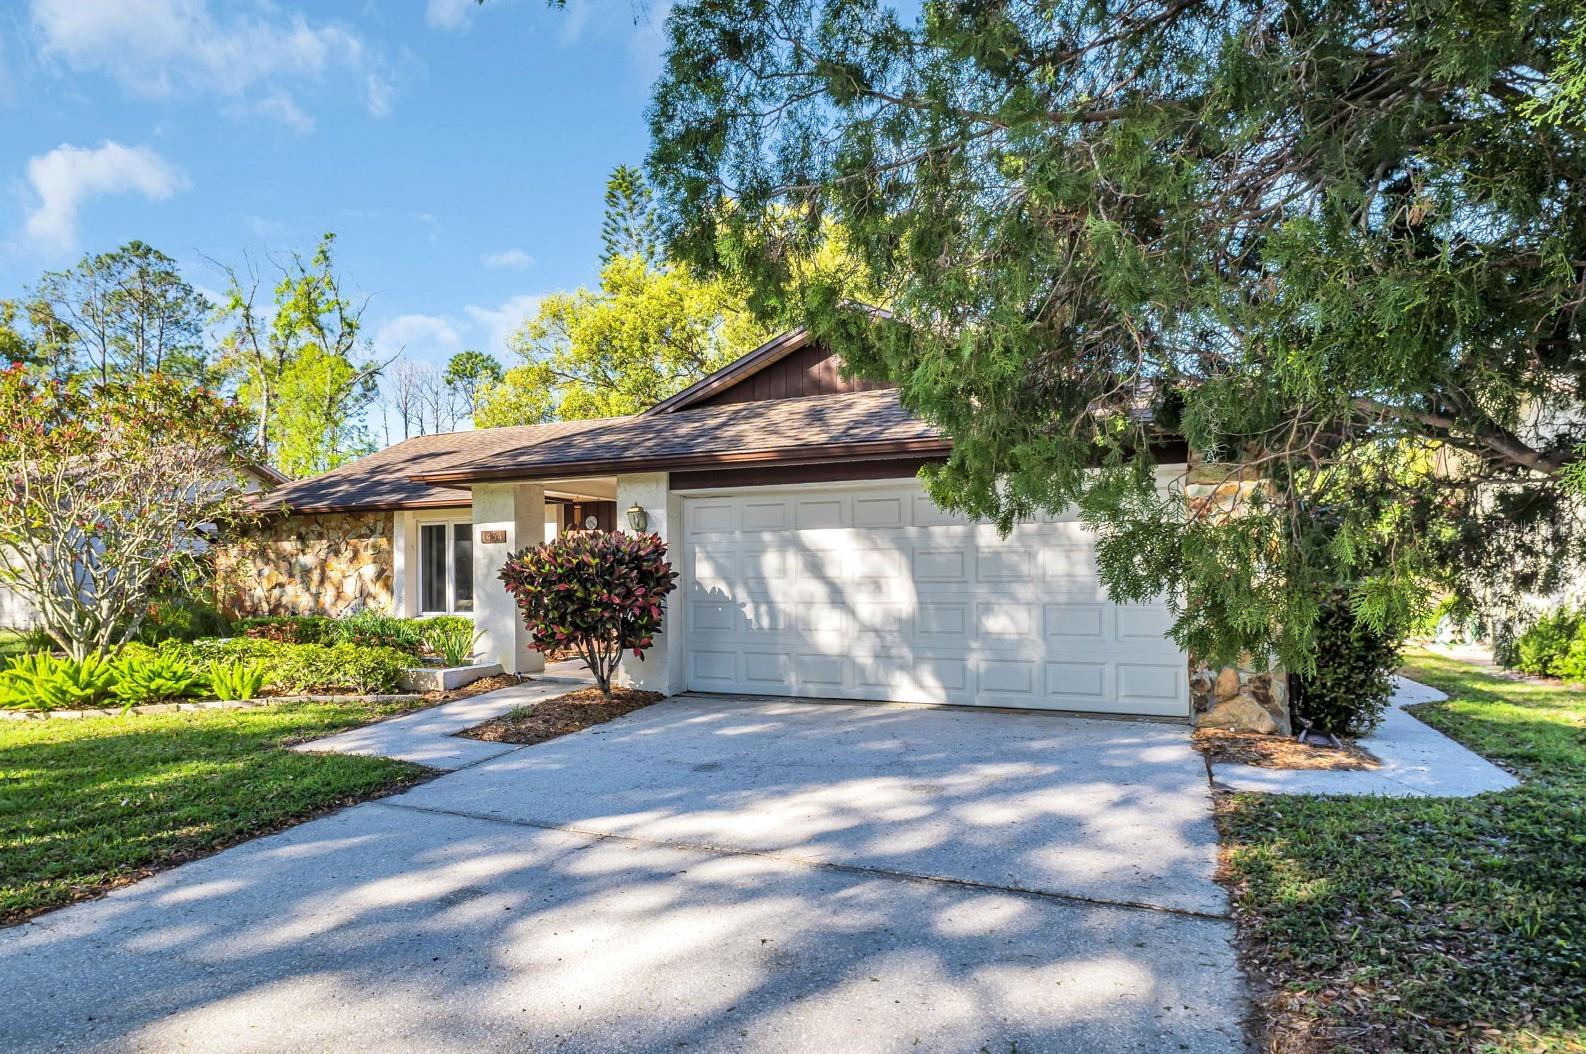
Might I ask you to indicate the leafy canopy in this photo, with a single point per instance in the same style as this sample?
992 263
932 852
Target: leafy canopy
1339 246
110 489
302 364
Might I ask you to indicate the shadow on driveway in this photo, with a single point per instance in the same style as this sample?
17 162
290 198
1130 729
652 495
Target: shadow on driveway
704 875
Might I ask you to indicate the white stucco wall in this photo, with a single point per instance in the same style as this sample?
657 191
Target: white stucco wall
518 511
661 669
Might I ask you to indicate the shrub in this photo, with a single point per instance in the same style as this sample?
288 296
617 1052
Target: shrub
41 681
288 629
163 675
1354 673
599 593
183 619
376 630
237 679
452 640
1544 647
337 668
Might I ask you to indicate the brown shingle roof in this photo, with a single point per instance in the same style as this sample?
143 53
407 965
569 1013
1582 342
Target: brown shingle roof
416 472
819 427
385 479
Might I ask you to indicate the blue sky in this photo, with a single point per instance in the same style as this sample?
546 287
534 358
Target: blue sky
459 152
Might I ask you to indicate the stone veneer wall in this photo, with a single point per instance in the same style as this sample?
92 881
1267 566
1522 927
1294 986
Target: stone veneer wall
319 564
1242 697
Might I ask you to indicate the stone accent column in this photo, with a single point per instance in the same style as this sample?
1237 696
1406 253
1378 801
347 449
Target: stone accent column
661 669
515 513
1248 696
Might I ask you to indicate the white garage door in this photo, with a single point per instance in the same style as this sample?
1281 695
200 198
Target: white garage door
872 592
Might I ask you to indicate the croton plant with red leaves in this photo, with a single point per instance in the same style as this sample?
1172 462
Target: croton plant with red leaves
599 593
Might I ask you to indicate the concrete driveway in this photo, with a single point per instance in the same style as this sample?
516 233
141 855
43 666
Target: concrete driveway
704 875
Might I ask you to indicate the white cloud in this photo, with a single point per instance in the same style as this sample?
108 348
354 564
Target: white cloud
418 337
68 176
516 259
450 14
279 106
157 47
499 323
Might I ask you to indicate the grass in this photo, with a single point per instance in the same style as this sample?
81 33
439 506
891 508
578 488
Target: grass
16 642
90 804
1429 924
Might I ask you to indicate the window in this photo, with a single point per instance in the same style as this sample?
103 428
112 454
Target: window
446 567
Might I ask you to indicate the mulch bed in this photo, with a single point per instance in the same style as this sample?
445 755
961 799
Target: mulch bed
1279 752
561 716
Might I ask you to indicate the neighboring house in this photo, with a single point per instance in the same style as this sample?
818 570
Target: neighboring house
18 612
811 562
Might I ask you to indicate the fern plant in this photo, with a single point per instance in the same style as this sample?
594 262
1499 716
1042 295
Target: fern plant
41 681
145 678
236 680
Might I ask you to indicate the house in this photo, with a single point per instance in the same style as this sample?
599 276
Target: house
811 562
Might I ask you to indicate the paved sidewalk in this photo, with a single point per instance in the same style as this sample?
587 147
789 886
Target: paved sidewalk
429 737
1417 761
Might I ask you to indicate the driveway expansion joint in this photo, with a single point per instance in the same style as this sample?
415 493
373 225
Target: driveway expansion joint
1078 899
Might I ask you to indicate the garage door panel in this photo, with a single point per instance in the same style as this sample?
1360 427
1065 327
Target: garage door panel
764 669
1082 681
764 515
874 593
819 513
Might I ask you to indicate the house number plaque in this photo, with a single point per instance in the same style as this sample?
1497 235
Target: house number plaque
486 537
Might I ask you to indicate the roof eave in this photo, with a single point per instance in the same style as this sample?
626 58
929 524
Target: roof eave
803 455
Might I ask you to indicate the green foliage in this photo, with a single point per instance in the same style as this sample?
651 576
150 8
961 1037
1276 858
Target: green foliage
1353 680
151 678
292 629
300 668
1552 646
645 334
471 374
372 628
181 618
116 316
103 485
1328 245
453 641
301 364
42 681
1434 912
237 680
629 227
600 593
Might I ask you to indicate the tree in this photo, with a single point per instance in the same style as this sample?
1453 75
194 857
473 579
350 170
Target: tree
629 228
1327 244
295 363
644 334
109 489
601 593
120 314
469 373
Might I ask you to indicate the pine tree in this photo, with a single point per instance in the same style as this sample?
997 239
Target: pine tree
629 228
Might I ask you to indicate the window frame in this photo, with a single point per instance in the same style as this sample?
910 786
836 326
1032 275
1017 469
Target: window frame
449 547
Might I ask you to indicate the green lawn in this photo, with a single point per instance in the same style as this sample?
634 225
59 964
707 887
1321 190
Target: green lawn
93 803
1431 924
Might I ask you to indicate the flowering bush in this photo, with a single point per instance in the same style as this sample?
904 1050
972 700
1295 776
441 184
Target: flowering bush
598 593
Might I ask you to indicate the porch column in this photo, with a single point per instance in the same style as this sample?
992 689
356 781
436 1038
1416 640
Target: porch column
507 517
661 669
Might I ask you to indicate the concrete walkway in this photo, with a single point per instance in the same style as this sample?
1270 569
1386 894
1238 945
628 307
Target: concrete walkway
716 876
429 737
1417 761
